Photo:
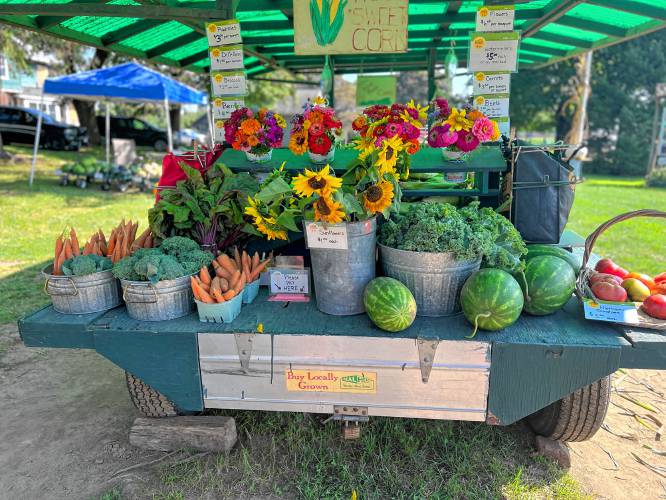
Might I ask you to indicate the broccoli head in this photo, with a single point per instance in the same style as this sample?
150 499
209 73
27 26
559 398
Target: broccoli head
178 245
124 269
154 268
82 265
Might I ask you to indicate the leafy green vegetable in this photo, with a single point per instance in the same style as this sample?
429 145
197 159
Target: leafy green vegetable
176 257
82 265
469 233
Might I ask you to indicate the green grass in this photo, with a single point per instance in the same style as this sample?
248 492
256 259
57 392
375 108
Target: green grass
294 455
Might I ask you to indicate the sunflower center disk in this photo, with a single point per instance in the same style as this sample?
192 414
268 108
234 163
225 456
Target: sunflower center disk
323 208
316 183
374 193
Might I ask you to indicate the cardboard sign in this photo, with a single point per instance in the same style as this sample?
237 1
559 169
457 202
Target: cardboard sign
491 83
223 32
326 236
375 90
493 106
224 106
495 18
331 381
223 58
228 83
493 51
611 311
352 27
289 281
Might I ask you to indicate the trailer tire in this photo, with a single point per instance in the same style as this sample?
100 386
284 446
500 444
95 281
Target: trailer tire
576 417
147 400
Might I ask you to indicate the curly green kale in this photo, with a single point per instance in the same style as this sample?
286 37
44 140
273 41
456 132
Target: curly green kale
469 233
82 265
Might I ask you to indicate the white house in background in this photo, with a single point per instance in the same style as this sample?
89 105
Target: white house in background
24 88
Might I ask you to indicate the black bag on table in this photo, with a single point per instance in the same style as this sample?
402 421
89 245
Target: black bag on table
543 187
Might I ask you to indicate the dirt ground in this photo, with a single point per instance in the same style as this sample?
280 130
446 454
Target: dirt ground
66 415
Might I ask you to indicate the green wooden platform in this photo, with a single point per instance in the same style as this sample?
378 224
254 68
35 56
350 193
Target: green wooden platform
485 160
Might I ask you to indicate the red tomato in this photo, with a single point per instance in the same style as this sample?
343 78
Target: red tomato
660 278
655 306
607 266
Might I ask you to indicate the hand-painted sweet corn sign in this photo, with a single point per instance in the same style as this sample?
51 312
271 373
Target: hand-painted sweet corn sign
350 26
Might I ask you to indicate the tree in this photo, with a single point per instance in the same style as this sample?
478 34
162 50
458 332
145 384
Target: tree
267 94
10 50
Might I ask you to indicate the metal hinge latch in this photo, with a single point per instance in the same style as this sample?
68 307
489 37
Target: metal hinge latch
244 348
427 349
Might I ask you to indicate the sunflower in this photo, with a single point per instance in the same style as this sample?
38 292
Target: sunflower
319 100
458 121
365 146
388 155
281 122
253 210
298 143
327 210
321 183
270 228
378 197
421 111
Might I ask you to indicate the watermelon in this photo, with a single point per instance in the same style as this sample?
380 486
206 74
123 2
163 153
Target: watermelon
491 299
389 304
550 281
538 250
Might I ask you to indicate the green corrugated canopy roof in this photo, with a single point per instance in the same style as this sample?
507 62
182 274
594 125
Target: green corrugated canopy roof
172 32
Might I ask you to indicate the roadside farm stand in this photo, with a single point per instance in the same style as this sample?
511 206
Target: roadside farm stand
553 369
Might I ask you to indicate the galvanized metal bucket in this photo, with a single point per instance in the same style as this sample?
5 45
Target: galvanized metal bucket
168 299
435 279
82 294
340 276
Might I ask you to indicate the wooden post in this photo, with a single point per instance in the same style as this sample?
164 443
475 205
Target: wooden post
432 85
203 433
331 100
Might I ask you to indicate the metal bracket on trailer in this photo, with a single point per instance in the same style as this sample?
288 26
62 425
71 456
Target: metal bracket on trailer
244 348
427 349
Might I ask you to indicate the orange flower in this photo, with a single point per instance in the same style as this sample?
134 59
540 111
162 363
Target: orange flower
262 114
252 140
316 116
250 126
413 147
475 114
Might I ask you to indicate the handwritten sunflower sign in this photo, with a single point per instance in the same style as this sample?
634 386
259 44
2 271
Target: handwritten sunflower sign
350 26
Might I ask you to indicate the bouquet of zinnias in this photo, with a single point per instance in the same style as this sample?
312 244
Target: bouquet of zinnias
389 135
459 129
315 131
256 133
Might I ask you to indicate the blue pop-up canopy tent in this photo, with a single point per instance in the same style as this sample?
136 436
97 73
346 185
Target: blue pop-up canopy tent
127 82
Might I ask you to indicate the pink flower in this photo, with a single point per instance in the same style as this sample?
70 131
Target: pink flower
483 129
393 129
443 106
467 142
410 131
441 137
316 128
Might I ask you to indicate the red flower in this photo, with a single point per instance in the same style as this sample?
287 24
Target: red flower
316 128
331 122
319 144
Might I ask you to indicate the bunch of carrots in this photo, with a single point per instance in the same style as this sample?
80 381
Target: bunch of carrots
231 276
65 248
121 244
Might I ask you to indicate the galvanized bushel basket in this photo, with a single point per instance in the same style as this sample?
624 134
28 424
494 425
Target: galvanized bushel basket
164 300
82 294
435 279
340 276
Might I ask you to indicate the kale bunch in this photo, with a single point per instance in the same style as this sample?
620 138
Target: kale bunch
176 257
470 232
82 265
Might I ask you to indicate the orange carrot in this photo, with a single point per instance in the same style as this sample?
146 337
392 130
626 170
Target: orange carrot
235 278
226 262
76 250
68 249
217 295
112 244
149 241
229 295
237 258
195 288
58 246
256 272
215 284
205 275
205 296
240 285
255 261
224 285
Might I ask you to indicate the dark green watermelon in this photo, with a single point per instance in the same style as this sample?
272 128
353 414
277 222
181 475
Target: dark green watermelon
539 250
550 282
389 304
491 299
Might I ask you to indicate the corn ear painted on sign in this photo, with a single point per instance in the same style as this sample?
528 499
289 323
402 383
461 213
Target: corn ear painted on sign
350 26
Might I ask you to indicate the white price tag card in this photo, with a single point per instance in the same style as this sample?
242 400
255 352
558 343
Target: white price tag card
228 83
493 106
218 130
491 83
223 32
223 58
611 311
289 281
495 18
494 51
326 236
224 106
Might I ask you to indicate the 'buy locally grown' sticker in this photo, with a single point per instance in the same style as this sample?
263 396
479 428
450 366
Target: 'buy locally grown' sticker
331 381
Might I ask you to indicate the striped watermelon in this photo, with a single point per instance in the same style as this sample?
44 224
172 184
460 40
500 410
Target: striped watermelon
491 299
550 282
538 250
389 304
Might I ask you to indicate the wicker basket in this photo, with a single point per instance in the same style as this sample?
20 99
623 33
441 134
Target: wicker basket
625 313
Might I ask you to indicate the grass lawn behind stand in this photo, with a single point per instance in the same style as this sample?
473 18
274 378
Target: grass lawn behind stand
293 454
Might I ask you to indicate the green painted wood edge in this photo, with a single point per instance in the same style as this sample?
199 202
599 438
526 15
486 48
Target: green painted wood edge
525 378
166 361
48 328
647 349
